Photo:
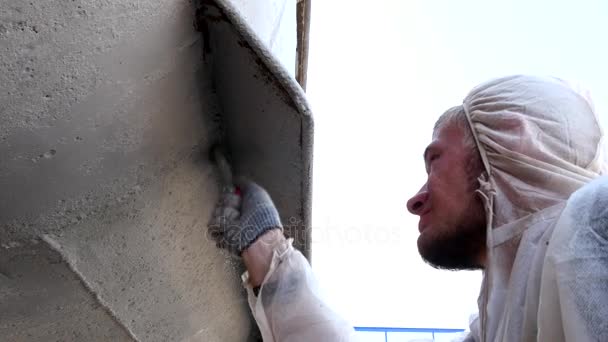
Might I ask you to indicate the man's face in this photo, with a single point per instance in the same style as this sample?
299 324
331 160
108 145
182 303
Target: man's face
452 219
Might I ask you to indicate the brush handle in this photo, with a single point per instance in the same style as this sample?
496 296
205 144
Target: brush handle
225 171
223 166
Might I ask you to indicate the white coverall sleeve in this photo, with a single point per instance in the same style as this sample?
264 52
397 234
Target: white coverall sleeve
574 290
289 307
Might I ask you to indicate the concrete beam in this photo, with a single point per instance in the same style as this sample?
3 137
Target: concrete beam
108 111
265 116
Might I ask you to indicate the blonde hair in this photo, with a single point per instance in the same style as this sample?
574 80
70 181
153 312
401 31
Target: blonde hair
457 116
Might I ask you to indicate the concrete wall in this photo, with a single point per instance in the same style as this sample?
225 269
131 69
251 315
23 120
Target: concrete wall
274 22
106 111
266 119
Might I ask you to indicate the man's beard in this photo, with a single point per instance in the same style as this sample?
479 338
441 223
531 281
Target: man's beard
458 247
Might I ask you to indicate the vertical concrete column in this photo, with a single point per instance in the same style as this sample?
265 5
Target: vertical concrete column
106 111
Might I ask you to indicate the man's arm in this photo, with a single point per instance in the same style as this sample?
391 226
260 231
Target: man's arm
258 256
574 286
282 291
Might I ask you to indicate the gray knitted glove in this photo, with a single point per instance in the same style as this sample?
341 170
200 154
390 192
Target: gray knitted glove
242 215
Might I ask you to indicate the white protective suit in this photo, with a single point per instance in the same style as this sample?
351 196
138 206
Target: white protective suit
546 277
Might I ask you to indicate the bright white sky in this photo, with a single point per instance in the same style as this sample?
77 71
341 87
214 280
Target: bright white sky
380 73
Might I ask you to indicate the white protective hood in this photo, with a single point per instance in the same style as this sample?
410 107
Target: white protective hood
540 140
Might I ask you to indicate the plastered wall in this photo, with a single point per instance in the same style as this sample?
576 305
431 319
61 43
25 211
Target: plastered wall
105 186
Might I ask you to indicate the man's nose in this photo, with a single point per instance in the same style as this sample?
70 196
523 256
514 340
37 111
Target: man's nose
416 204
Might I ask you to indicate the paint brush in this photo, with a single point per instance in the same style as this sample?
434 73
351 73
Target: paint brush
219 157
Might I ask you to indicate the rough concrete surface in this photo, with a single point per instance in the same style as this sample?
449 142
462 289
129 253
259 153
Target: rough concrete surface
107 111
43 300
274 23
266 118
105 108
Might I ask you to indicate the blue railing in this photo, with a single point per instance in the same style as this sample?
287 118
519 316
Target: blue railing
387 331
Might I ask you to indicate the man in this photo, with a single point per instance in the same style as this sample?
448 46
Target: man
501 195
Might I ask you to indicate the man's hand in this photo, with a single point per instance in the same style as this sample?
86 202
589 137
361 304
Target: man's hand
242 216
258 256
